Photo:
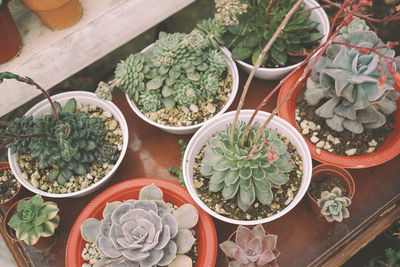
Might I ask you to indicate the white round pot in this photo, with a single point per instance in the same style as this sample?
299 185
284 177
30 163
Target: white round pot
199 139
84 98
193 128
318 15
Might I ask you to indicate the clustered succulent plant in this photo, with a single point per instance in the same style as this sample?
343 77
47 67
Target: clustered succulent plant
256 26
143 232
34 219
350 82
179 69
333 205
247 172
68 141
251 248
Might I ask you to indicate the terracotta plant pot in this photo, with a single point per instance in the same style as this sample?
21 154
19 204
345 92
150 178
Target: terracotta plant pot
11 41
56 14
43 242
388 150
333 170
6 204
206 236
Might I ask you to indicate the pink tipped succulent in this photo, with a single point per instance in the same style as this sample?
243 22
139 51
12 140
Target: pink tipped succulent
252 248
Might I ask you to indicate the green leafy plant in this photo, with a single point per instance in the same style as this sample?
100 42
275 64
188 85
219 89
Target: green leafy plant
392 259
34 219
145 232
247 172
256 26
352 81
68 140
333 205
179 69
251 247
3 4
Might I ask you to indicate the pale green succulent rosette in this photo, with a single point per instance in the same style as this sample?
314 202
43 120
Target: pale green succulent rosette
333 205
243 172
348 83
143 232
34 219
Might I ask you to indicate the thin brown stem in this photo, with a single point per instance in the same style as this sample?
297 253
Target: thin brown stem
306 70
53 107
393 17
258 64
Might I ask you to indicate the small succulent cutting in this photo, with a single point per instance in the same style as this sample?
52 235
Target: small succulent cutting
179 69
333 205
34 219
251 248
144 232
351 81
67 141
256 26
247 172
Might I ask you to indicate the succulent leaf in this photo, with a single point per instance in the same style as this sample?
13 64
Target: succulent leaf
347 81
143 232
34 219
251 247
333 205
229 167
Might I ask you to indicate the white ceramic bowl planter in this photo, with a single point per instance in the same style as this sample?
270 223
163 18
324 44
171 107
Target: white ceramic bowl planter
193 128
215 125
84 98
318 15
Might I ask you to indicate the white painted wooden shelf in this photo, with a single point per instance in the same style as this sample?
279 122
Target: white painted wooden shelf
49 56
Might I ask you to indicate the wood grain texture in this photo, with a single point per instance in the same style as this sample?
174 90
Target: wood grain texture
49 56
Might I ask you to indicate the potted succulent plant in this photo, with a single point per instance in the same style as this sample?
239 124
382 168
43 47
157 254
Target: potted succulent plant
11 42
331 190
56 14
247 183
67 145
174 231
30 219
9 186
249 26
346 106
251 247
177 83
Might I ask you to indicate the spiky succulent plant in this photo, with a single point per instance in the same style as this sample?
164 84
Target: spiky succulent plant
172 72
70 143
247 172
34 219
333 205
143 232
251 248
257 25
348 82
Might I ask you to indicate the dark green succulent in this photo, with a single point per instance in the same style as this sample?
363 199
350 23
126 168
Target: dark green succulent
247 172
70 143
19 126
3 4
256 27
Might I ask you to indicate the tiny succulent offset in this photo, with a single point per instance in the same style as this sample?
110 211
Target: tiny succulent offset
249 172
333 205
349 81
145 232
179 69
252 248
67 141
34 219
256 26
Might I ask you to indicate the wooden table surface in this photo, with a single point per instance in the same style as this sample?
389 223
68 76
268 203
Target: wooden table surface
303 237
